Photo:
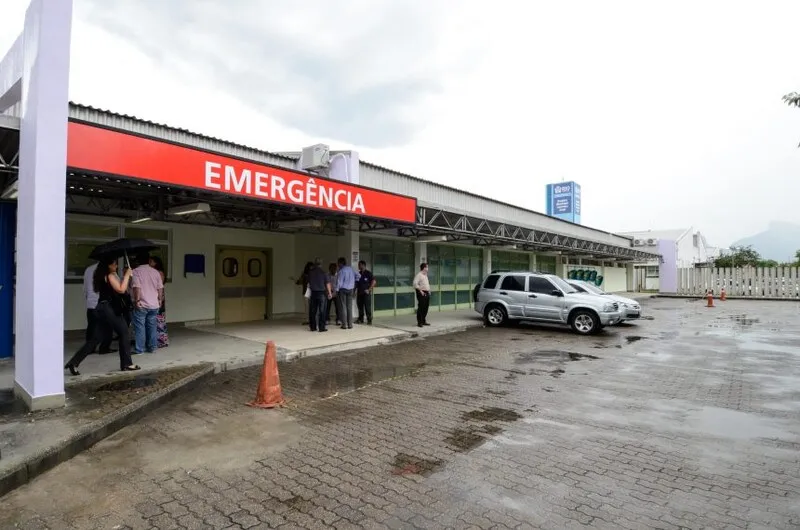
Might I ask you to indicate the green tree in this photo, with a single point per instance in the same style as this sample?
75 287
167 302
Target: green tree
739 257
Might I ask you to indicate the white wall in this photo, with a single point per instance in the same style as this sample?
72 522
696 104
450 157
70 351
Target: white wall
687 254
616 279
192 299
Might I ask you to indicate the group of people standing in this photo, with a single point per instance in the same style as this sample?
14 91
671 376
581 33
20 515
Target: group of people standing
114 303
335 289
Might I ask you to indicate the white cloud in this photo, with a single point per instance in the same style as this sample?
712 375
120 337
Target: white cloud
668 115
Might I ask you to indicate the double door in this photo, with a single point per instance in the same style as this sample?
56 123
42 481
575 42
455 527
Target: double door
242 285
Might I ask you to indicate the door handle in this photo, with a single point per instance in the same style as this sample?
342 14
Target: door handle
504 293
531 296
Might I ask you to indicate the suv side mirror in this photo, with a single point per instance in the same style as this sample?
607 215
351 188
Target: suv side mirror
556 292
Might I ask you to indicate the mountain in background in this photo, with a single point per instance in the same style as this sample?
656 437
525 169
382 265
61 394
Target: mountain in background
779 242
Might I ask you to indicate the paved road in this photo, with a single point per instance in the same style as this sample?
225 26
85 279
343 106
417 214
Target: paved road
687 420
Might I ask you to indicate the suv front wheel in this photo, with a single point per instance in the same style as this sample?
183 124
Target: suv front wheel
495 315
584 322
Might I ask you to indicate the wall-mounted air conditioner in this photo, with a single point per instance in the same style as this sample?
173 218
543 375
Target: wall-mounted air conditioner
651 242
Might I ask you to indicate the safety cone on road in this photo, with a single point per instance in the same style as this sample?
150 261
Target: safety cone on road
269 394
722 295
710 299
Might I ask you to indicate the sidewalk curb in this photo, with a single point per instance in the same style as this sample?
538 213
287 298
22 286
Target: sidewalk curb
90 434
285 355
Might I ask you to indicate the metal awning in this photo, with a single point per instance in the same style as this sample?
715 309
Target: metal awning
476 230
9 150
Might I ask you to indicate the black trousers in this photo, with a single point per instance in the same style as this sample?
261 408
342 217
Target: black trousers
91 323
423 303
364 303
317 307
106 324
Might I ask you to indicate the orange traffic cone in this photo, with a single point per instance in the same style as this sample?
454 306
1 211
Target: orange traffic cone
722 295
710 298
269 393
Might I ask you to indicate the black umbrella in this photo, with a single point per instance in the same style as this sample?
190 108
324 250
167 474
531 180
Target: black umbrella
121 248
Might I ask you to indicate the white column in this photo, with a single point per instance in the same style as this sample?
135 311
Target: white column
629 278
532 261
349 249
420 253
487 261
349 244
39 363
561 265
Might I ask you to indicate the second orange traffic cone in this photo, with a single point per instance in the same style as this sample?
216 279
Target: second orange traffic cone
722 295
710 299
269 394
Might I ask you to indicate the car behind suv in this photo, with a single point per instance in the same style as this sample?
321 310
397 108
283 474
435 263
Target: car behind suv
514 296
631 310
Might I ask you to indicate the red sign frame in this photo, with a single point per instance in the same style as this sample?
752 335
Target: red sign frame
96 149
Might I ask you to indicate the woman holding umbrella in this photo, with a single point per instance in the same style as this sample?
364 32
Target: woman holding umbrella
110 306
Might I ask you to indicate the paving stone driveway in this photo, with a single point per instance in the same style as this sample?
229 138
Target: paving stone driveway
687 420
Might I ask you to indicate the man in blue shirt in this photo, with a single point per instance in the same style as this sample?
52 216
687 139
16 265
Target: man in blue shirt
365 282
346 284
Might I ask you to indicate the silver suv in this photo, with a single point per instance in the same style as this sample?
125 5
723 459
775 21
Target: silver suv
514 296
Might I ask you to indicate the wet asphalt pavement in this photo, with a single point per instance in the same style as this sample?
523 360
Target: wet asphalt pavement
691 419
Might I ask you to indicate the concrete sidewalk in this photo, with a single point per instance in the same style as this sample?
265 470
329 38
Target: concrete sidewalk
239 345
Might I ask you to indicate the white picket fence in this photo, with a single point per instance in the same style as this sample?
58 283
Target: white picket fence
756 282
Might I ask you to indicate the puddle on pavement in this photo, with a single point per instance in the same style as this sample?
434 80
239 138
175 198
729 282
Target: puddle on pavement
744 321
498 393
647 317
734 424
412 465
140 381
330 384
551 355
633 339
492 429
491 414
471 436
464 440
557 373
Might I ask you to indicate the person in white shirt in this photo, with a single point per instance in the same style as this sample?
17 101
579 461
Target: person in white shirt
91 298
423 289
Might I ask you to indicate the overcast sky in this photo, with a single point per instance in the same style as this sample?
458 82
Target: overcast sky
667 114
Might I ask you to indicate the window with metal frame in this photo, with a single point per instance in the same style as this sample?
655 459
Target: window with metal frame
83 235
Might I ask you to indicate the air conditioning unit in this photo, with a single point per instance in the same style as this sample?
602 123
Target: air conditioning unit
315 157
638 242
651 242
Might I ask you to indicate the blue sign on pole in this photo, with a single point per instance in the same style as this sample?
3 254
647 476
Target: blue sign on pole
564 201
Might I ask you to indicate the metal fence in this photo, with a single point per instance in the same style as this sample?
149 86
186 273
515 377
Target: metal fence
755 282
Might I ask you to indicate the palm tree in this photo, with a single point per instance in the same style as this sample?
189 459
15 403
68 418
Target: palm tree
793 100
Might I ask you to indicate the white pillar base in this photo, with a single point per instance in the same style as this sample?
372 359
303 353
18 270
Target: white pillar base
53 401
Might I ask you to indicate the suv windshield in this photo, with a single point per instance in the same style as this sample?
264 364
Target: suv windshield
561 284
592 288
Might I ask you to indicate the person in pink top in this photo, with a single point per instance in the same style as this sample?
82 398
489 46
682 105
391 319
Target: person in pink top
148 292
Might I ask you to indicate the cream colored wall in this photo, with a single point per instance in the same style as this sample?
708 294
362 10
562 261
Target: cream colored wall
192 299
615 280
